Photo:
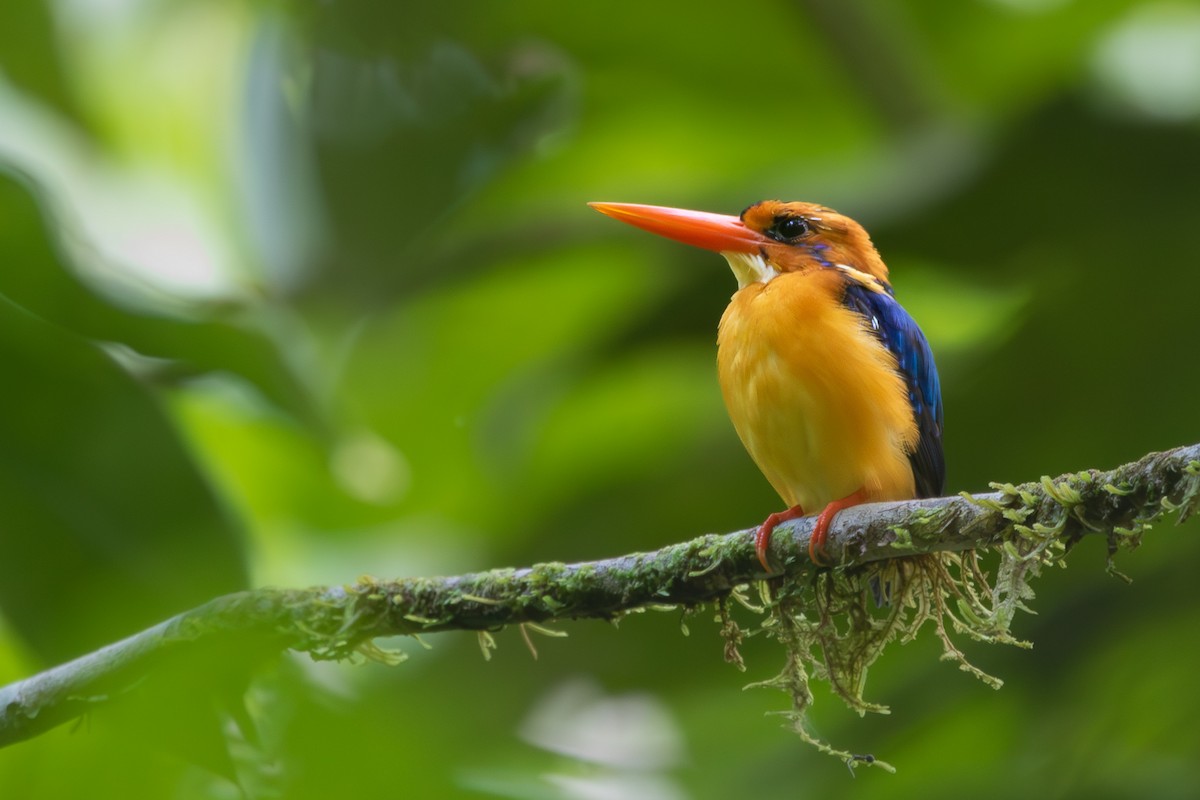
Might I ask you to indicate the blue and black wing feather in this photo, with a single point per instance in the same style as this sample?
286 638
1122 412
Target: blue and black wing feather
900 335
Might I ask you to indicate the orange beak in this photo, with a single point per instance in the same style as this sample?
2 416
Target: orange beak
719 232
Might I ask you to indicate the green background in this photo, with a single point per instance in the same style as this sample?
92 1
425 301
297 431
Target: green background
296 292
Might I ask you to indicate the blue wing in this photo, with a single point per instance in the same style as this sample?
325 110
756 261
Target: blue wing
900 335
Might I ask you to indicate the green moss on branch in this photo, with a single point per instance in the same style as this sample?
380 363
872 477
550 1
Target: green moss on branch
821 617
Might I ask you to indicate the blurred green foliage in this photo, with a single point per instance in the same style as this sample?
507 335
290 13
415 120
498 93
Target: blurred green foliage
297 291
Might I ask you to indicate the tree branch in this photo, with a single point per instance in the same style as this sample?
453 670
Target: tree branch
335 622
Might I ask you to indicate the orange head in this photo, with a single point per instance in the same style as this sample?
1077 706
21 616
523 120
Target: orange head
769 238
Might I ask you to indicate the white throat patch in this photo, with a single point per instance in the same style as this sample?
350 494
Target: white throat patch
749 268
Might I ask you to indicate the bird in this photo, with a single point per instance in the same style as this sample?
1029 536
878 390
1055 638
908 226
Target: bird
829 382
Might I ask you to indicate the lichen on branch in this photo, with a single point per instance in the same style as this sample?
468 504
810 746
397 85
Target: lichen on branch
836 626
899 566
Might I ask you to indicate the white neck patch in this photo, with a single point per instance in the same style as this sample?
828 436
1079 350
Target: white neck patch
749 268
870 281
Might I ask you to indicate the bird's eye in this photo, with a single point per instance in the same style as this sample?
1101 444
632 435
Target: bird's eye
787 229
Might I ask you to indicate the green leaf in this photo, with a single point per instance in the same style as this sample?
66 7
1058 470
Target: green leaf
36 277
108 526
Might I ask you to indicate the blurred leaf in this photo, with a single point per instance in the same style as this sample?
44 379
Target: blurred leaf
959 315
36 278
474 368
108 525
635 420
29 54
403 139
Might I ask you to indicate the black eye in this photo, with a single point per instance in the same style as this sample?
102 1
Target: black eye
787 229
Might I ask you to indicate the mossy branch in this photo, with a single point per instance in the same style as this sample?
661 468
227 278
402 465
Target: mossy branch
1030 524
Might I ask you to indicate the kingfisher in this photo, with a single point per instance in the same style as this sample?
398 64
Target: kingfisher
829 382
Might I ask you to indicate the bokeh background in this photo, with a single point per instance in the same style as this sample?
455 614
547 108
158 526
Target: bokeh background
296 291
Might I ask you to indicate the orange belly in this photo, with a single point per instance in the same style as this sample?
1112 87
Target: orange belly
814 396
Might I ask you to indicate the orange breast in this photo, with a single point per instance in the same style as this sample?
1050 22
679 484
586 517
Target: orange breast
814 396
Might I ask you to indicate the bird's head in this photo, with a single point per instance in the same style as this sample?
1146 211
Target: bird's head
768 239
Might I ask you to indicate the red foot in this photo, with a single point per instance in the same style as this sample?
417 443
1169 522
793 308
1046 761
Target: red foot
816 542
762 538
